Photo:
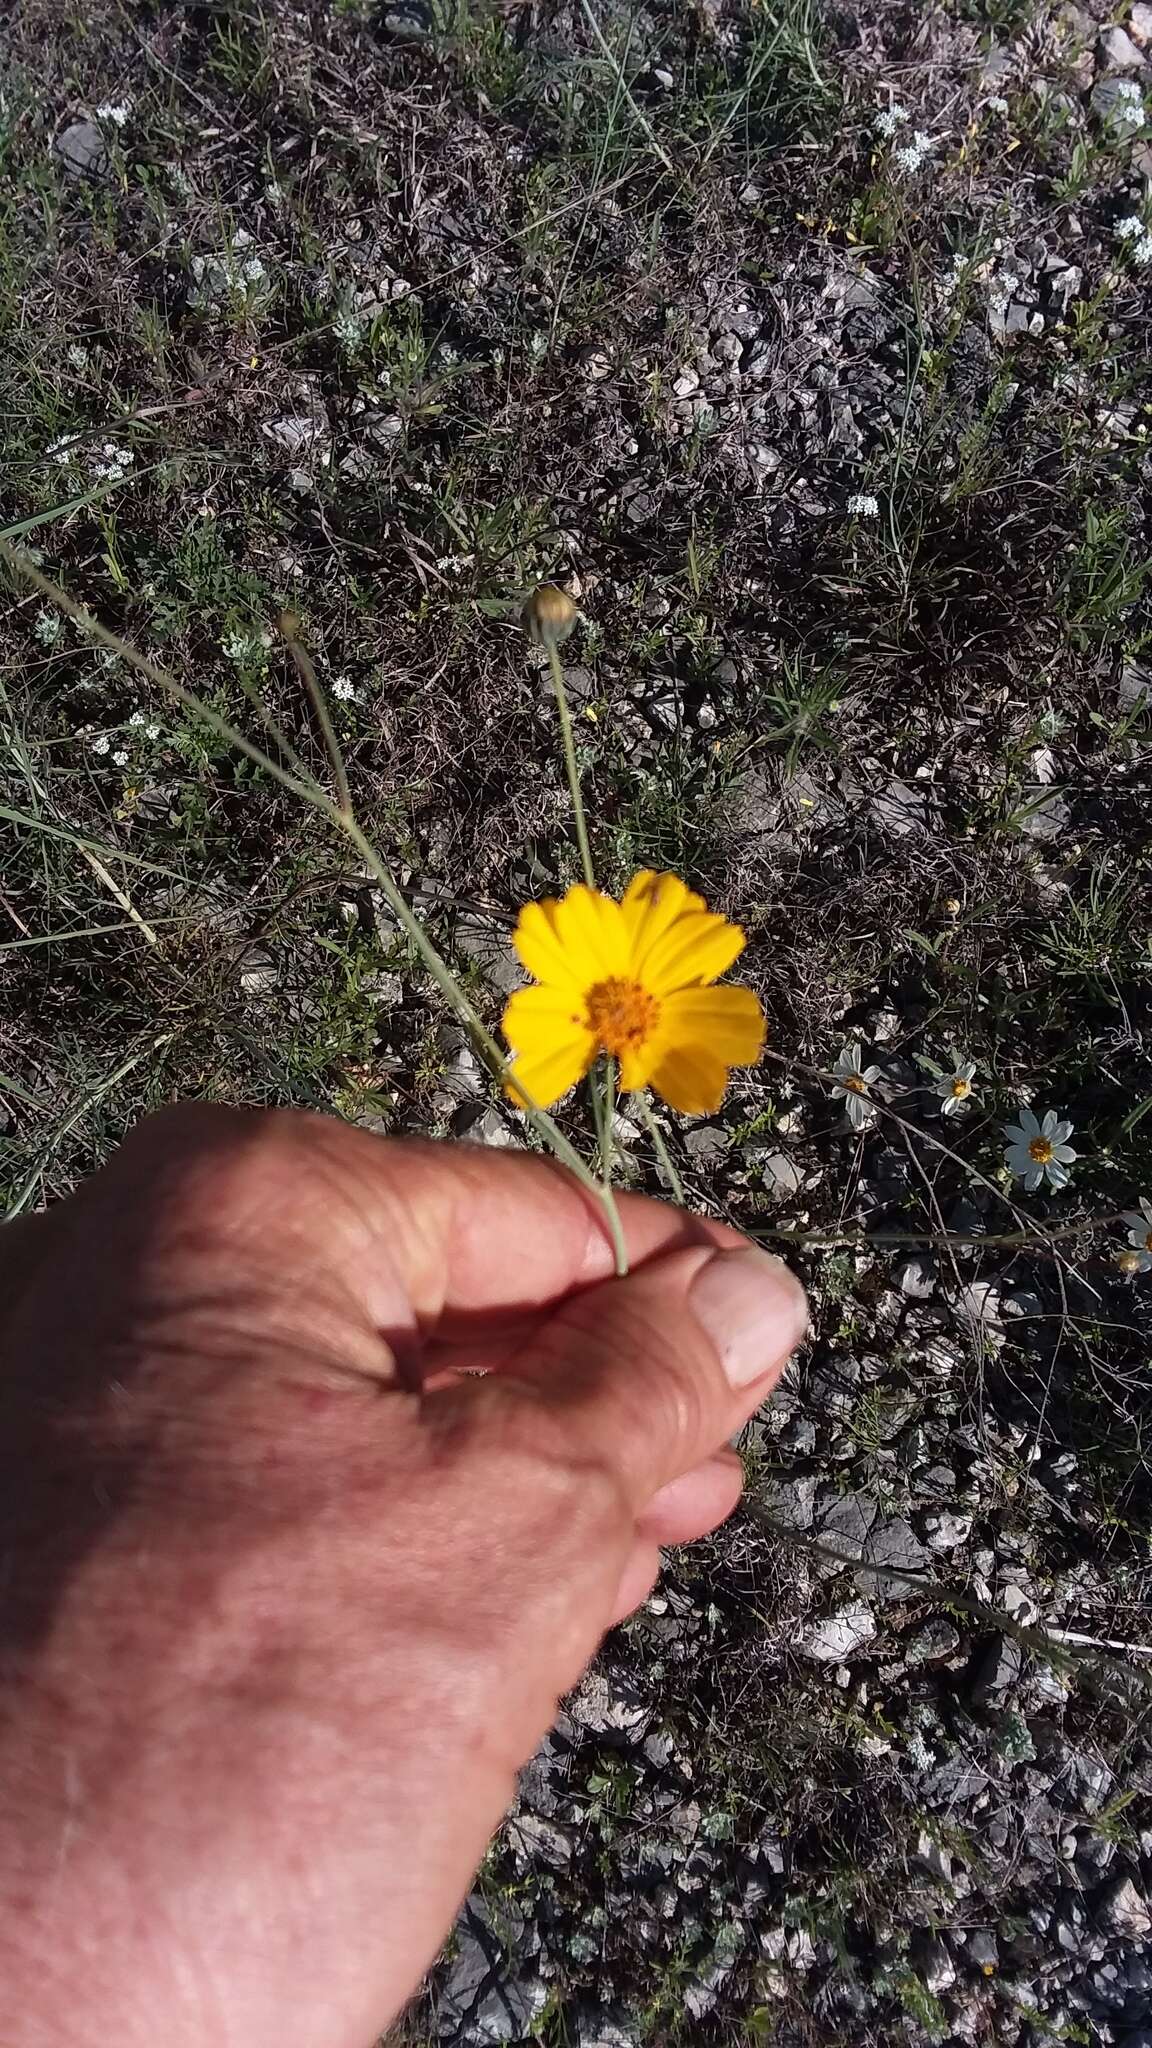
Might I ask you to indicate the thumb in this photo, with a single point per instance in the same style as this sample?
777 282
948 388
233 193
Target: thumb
652 1373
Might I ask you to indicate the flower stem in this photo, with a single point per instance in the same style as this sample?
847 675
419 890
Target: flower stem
602 1089
664 1158
570 767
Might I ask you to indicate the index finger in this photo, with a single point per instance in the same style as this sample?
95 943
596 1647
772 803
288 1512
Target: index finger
451 1231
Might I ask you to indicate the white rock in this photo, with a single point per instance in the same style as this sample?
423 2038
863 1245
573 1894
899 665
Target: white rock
1140 24
686 383
1124 1910
1118 52
841 1635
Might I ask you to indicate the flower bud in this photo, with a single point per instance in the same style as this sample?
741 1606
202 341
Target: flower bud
550 614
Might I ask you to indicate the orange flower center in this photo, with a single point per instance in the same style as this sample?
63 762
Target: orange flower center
1148 1242
856 1083
621 1014
960 1087
1041 1150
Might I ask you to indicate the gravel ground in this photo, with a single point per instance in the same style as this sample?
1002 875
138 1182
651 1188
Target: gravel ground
808 349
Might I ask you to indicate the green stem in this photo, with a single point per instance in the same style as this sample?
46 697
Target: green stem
664 1157
570 767
607 1142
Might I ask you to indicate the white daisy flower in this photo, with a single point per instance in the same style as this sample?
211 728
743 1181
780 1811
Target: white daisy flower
854 1083
955 1090
1038 1150
1139 1223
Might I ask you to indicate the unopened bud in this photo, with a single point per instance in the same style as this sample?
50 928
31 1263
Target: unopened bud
550 614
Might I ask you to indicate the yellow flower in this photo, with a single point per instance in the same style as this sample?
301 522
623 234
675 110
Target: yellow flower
632 979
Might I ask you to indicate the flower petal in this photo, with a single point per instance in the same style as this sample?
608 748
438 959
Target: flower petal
538 945
1057 1174
698 948
536 1018
1028 1125
590 927
1061 1131
548 1073
726 1021
1017 1135
652 903
691 1080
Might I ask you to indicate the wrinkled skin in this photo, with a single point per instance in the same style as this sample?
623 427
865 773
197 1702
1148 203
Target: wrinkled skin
286 1594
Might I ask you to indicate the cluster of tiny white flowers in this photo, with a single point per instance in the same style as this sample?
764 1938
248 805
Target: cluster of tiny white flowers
78 358
889 121
139 720
105 460
344 690
914 153
230 272
100 743
862 505
454 563
950 282
996 105
1000 292
48 628
1136 237
1128 106
116 111
111 463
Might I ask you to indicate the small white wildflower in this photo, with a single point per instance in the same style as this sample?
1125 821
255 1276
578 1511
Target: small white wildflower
116 111
1142 250
854 1083
48 627
344 690
1129 228
120 758
1139 1223
955 1090
997 104
889 121
1037 1150
862 505
101 744
78 357
151 732
138 718
913 153
1127 109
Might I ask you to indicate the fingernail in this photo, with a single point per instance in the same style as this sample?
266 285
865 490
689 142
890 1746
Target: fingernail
752 1308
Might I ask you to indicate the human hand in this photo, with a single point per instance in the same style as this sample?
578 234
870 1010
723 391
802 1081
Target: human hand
285 1599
